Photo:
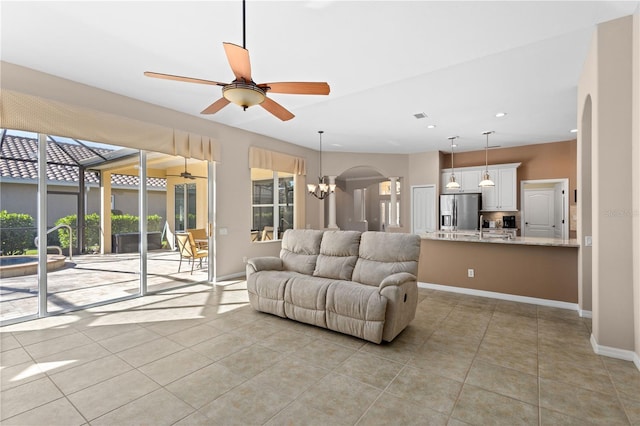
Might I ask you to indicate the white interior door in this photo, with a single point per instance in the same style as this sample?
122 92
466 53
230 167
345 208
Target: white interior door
539 213
558 214
423 209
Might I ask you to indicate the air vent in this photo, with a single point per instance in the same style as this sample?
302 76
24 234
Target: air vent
420 115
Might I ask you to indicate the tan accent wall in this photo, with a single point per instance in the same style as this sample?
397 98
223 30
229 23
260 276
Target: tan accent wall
533 271
554 160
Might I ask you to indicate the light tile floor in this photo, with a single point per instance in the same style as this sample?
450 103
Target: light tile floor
199 355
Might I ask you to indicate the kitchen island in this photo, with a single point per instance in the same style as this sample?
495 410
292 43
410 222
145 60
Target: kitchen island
541 268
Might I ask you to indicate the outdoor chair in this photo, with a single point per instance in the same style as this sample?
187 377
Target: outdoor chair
188 250
267 233
200 237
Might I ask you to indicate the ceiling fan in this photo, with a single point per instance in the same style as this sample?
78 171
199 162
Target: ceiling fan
186 174
243 91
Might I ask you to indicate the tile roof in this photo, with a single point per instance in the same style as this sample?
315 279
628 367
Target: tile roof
18 155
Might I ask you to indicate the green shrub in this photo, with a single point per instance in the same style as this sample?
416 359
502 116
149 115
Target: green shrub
154 223
120 223
16 233
128 223
91 230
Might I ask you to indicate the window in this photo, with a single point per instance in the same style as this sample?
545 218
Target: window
385 188
185 206
272 211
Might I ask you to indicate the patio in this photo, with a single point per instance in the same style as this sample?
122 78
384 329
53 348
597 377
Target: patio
95 278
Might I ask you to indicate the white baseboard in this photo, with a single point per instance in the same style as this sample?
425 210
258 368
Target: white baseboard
585 314
502 296
611 352
230 276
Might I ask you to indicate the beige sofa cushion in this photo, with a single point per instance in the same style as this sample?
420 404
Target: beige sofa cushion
383 254
266 290
338 254
300 249
305 299
356 309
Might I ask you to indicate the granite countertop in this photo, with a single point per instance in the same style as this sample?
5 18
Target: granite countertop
473 237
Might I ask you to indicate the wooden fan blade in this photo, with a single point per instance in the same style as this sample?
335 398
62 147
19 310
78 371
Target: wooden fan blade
276 109
238 58
297 88
216 106
180 78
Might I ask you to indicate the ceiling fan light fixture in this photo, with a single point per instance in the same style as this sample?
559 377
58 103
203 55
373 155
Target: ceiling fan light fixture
243 94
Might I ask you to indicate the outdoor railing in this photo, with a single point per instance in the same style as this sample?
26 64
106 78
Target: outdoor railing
35 240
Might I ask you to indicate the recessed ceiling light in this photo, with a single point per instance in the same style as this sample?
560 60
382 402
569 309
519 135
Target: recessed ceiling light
336 144
574 130
431 126
420 115
501 114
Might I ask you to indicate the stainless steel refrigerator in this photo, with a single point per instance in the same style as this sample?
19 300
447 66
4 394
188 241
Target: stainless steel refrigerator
460 211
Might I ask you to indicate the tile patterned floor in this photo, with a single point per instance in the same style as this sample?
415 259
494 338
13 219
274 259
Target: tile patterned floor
198 355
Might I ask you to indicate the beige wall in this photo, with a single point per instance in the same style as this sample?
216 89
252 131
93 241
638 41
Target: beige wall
608 80
636 178
232 172
335 163
532 271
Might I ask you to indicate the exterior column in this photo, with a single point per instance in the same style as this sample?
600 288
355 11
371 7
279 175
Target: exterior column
105 212
332 205
393 216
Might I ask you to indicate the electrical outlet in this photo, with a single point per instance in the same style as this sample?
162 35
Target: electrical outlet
244 259
471 273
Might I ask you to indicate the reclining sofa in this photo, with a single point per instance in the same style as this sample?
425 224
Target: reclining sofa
361 284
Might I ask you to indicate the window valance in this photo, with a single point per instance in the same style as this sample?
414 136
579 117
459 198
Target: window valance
271 160
21 111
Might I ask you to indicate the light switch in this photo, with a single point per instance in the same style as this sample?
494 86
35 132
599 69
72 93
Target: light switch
223 231
588 241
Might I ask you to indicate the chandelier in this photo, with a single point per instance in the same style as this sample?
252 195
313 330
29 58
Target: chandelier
322 190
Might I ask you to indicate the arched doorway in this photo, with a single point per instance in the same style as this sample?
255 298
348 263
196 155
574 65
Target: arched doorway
363 201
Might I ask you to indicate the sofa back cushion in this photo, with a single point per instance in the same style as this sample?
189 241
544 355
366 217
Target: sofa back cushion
300 249
383 254
338 254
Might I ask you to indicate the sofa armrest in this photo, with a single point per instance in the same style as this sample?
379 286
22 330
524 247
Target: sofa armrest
397 279
269 263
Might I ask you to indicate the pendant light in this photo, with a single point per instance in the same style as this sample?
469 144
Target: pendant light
486 179
322 190
452 180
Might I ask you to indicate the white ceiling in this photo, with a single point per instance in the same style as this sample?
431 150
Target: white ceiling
458 62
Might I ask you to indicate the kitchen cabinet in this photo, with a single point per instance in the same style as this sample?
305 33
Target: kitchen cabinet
500 198
503 196
468 180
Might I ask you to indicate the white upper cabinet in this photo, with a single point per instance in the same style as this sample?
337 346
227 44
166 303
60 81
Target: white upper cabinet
468 180
503 196
500 198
